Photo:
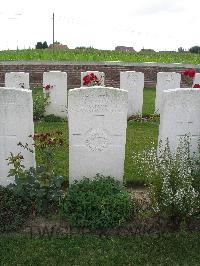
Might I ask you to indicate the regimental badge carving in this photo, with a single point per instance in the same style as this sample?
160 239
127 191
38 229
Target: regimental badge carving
97 139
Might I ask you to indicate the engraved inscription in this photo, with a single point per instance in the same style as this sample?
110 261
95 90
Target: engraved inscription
97 140
186 128
97 101
132 79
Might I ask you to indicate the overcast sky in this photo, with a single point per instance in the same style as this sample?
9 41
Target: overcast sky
103 24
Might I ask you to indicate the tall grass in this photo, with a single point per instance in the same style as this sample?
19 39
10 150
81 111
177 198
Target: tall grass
100 55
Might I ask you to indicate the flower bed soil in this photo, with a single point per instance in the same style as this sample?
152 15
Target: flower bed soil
145 222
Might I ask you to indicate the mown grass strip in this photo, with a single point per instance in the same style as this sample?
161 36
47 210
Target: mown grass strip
168 249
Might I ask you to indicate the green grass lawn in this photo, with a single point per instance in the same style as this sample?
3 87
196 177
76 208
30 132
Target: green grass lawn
99 55
139 137
169 249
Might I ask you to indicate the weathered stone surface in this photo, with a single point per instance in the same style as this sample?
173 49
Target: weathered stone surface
196 79
16 124
97 119
165 81
133 82
179 117
57 81
17 80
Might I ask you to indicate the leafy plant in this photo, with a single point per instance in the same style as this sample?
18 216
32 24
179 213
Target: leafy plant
39 104
14 210
174 187
195 49
41 185
52 118
97 203
42 191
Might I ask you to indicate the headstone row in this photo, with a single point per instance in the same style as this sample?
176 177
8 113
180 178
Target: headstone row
97 118
131 81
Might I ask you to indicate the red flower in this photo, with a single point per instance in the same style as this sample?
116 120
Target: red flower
47 87
190 73
196 86
91 79
86 80
185 73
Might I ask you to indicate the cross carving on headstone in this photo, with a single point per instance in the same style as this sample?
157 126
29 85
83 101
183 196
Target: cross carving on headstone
187 128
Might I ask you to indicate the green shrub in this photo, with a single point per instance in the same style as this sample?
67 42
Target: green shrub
195 49
52 118
42 186
39 103
97 203
14 210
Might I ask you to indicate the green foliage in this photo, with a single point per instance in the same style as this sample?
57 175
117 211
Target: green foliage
44 196
14 210
52 118
39 103
39 45
42 193
174 188
44 45
195 49
97 203
47 143
99 55
41 185
181 50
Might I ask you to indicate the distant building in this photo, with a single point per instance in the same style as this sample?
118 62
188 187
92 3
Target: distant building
58 46
147 50
124 48
167 51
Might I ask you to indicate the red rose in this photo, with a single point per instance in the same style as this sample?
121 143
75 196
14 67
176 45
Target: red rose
191 73
185 72
47 87
196 86
86 80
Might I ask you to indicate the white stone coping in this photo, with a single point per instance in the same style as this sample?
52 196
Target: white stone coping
183 90
100 63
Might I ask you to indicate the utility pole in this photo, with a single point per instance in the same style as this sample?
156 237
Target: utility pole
53 32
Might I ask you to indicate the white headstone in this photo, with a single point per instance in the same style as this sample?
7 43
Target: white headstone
196 78
133 82
100 76
180 116
97 118
16 125
17 80
57 83
165 81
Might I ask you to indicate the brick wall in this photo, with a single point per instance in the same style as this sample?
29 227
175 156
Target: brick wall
111 69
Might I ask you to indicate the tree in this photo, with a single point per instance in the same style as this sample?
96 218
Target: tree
195 49
39 45
44 45
181 50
